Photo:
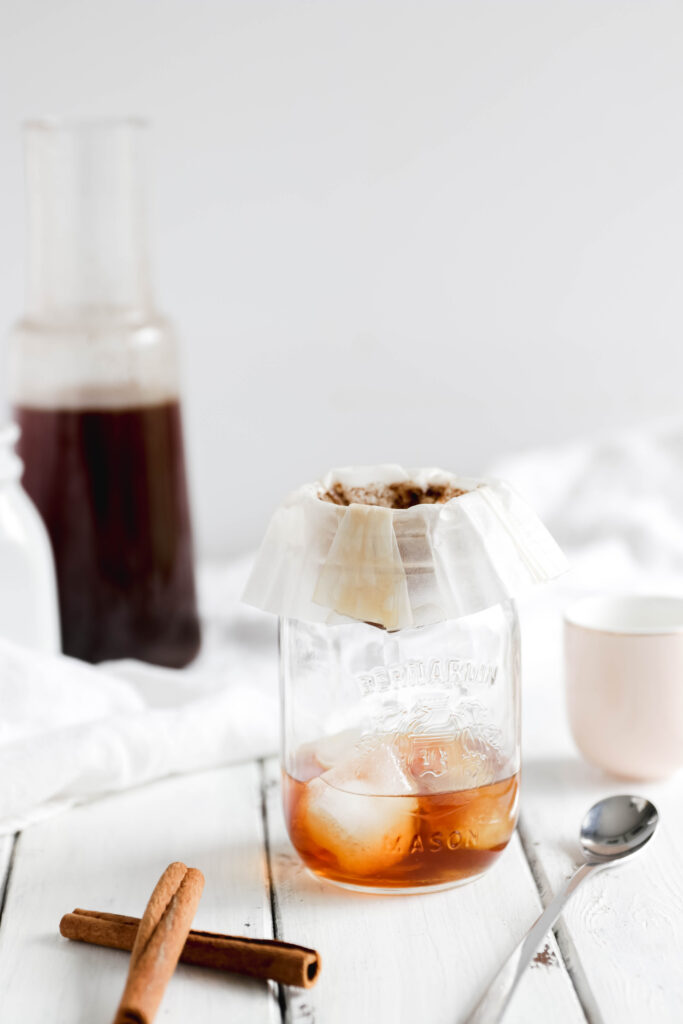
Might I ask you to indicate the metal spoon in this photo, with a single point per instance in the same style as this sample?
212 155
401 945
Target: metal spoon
612 829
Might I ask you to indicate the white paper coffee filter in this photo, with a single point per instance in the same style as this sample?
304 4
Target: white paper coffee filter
400 568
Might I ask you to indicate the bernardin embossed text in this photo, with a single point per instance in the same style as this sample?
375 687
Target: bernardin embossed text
441 672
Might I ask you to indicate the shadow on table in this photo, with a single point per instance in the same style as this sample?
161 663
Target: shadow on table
293 879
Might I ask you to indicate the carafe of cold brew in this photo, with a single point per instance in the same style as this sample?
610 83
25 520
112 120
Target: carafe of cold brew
95 389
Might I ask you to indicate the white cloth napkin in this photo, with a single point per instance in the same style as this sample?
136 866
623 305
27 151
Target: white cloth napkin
615 505
70 732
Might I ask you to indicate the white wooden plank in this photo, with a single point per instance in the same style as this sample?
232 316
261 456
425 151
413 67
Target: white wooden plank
107 856
412 958
622 932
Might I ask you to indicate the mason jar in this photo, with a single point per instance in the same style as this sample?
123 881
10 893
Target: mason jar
400 669
400 750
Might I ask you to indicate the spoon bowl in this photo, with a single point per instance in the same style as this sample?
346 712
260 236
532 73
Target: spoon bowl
613 829
616 827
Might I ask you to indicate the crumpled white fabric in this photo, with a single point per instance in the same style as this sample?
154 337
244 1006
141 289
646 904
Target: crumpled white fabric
70 731
614 503
400 568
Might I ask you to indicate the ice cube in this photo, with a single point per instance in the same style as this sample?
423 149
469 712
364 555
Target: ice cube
373 766
339 747
313 758
362 810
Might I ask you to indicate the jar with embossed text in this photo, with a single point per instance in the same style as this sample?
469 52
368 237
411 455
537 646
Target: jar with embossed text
400 677
401 749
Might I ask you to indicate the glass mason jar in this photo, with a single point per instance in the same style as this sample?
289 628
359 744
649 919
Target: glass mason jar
401 749
94 381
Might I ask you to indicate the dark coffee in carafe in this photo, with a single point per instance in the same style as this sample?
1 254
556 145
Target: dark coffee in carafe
111 487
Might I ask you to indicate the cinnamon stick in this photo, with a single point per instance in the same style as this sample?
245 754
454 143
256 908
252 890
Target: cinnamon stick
282 962
159 941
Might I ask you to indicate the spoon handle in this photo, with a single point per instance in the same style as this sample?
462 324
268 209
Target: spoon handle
490 1009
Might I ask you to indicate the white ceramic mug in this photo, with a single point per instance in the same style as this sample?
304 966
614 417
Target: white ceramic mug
624 683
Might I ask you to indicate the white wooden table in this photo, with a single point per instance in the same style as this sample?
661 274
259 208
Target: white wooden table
617 957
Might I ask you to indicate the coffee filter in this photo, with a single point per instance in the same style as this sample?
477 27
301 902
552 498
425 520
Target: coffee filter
399 567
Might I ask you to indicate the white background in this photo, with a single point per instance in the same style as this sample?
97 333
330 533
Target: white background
419 232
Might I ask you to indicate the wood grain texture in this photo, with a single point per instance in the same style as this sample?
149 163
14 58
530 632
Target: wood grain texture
109 855
410 958
622 933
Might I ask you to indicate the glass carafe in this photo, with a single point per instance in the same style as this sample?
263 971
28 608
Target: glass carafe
28 591
95 387
401 749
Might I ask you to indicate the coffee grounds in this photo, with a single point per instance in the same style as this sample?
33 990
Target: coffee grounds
545 958
397 496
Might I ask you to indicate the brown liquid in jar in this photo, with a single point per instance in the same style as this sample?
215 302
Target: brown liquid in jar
393 842
110 484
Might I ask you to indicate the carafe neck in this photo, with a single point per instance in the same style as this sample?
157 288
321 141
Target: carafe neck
87 251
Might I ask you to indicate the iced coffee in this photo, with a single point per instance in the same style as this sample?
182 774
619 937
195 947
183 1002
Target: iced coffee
399 812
